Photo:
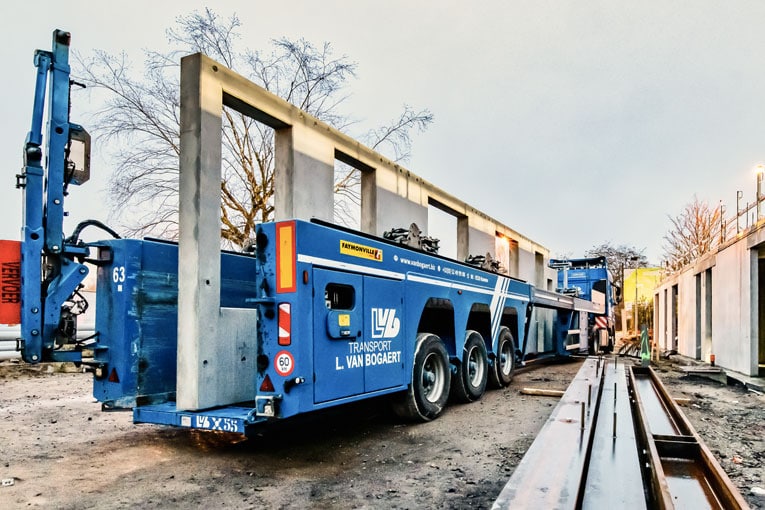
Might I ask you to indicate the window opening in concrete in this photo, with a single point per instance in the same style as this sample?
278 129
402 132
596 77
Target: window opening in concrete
443 226
513 267
506 251
502 251
347 195
247 177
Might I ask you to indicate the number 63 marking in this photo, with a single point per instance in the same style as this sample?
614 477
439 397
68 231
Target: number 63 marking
118 274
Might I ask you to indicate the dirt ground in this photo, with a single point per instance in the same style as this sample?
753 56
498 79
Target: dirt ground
61 451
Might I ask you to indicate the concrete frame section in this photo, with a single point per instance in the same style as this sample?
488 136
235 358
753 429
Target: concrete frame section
305 152
718 309
306 148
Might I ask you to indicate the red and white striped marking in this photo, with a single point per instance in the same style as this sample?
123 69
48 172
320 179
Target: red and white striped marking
285 324
601 322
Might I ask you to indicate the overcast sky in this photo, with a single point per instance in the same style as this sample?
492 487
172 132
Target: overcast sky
575 123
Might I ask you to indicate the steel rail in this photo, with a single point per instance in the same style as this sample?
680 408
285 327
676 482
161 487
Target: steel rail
617 439
679 469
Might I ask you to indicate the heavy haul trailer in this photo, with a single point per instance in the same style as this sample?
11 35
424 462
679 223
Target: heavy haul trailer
341 316
316 316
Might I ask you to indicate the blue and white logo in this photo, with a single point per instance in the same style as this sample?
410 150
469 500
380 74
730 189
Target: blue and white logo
385 324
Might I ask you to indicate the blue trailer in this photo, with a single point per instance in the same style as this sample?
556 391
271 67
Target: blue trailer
321 315
342 316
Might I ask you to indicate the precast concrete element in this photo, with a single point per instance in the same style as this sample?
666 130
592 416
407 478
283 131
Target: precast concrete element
716 306
305 153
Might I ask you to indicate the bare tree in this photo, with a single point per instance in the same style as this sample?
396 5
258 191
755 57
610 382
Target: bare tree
693 233
393 136
140 122
619 258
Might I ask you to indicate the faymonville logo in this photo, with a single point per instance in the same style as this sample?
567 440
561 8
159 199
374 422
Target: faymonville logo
385 324
361 251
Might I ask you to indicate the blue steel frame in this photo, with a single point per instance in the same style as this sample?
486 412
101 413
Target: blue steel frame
43 213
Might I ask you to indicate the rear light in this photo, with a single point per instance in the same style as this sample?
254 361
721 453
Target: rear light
285 324
267 385
286 271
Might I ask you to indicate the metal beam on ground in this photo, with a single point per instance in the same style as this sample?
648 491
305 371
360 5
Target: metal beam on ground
633 448
549 475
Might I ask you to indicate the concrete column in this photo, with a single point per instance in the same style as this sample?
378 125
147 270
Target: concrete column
199 241
215 364
369 202
303 174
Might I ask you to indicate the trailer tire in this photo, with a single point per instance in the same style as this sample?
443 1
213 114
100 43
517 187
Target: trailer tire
469 378
501 370
428 392
611 336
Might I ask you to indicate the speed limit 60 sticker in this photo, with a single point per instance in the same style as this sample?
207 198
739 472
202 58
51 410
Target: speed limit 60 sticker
284 363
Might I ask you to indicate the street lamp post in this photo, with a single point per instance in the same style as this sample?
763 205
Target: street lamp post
760 170
637 328
635 304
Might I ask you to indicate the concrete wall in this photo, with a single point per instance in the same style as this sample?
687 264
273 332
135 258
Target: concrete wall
732 308
729 327
394 211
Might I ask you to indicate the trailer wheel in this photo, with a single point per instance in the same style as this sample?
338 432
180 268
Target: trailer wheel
501 371
611 336
469 380
427 394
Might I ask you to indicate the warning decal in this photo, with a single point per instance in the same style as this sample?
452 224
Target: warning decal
10 282
284 363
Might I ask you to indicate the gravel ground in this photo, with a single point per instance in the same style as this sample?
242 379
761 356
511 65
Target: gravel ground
61 451
730 420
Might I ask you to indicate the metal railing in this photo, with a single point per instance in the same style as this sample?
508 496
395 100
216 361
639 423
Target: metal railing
747 218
